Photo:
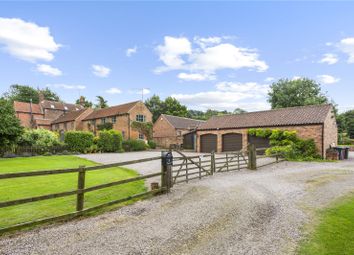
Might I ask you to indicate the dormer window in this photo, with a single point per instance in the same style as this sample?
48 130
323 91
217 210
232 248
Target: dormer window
66 108
52 106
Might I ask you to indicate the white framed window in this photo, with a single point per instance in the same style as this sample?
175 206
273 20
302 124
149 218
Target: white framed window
103 120
140 118
114 119
52 106
66 108
141 136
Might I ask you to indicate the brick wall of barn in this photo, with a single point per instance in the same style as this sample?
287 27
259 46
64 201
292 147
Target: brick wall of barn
304 132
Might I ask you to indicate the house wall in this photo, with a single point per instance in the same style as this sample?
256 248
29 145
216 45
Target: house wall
78 122
139 108
52 114
70 125
304 132
330 131
25 118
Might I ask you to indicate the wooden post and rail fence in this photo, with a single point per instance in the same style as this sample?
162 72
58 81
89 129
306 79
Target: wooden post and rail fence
173 170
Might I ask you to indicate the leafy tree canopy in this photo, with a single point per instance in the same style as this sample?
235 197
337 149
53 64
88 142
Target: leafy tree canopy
25 93
101 103
299 92
346 123
84 101
239 110
156 106
10 128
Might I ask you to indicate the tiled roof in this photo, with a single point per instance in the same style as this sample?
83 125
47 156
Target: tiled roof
111 111
46 104
26 107
182 123
69 116
42 122
314 114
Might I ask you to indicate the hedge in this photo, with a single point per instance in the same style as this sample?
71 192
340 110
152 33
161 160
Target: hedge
109 141
79 141
134 145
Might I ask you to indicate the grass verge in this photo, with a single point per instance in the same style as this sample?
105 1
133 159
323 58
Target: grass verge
334 234
11 189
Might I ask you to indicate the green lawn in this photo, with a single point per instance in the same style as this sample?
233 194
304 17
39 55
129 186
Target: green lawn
335 232
11 189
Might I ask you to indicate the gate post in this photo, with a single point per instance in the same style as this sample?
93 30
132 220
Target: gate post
212 163
166 170
252 157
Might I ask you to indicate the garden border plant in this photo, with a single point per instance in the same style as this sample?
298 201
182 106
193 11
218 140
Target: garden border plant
287 144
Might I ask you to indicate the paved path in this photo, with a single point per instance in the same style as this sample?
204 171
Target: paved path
246 212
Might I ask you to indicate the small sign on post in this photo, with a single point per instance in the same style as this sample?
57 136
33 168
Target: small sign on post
166 169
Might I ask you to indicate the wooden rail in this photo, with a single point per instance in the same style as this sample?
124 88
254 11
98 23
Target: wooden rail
80 191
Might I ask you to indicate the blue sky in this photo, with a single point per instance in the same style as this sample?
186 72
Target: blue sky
219 55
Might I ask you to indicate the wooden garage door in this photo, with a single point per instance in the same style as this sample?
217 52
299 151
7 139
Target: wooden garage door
188 141
259 142
232 142
208 143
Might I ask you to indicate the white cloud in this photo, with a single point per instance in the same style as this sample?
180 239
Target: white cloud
171 52
346 45
297 78
205 57
131 51
66 86
113 91
48 70
329 59
327 79
195 76
146 91
100 71
269 79
228 95
26 40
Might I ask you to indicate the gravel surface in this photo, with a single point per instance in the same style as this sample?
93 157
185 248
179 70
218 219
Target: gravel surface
246 212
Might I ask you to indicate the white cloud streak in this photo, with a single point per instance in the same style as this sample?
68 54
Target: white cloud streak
205 57
67 86
346 45
329 59
327 79
113 91
49 70
130 51
27 41
100 71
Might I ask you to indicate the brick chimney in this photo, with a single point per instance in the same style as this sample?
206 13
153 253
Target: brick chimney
82 100
41 96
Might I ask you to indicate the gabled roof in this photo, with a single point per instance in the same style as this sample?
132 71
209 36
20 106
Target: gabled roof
69 116
111 111
46 104
26 107
314 114
181 122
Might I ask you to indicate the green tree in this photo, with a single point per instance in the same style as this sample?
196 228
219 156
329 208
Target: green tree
155 105
49 95
299 92
173 107
84 102
10 128
196 114
239 110
101 102
22 93
25 93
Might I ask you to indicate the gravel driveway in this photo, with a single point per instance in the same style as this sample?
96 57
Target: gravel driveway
246 212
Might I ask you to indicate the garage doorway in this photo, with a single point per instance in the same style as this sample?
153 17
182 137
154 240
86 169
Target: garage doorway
208 143
232 142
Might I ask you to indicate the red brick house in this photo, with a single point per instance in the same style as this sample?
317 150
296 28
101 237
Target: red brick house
121 116
70 120
230 132
41 115
170 130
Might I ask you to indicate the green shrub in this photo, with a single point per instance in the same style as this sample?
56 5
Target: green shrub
134 145
78 141
152 144
287 144
105 126
42 138
110 141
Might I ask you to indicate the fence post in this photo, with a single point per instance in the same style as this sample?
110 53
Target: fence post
200 168
277 157
252 157
80 186
166 170
212 162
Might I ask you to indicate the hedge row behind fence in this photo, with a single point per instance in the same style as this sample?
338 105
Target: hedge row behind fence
78 141
110 141
12 151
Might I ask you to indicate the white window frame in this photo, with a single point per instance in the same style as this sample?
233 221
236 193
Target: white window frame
140 118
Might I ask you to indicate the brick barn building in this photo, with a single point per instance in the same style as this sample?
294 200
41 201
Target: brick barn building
170 130
230 132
